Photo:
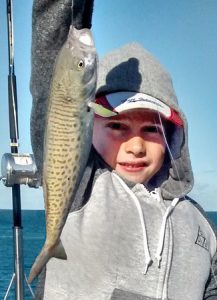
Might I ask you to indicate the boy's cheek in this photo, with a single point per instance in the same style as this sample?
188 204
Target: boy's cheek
107 149
110 154
156 139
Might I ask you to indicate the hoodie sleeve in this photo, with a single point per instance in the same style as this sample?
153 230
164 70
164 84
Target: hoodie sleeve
210 292
211 286
50 25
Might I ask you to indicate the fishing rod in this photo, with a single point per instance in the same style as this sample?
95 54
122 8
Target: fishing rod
19 168
16 168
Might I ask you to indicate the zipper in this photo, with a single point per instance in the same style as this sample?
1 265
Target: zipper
156 194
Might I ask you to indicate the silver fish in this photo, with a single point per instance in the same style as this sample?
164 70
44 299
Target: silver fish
68 136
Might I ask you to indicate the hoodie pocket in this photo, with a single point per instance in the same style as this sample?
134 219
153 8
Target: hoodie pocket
127 295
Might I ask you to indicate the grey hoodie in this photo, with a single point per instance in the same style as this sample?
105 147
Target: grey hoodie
126 240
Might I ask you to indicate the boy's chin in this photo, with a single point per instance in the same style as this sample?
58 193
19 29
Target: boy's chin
134 178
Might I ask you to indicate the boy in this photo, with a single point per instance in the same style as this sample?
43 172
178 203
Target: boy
132 232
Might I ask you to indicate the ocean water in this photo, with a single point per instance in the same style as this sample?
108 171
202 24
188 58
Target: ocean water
33 222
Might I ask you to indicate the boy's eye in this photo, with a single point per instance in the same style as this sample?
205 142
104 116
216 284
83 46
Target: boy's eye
152 129
115 126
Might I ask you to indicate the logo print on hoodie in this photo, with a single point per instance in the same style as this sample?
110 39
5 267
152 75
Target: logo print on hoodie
201 239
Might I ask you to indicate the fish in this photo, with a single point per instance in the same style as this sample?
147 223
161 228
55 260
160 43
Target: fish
68 136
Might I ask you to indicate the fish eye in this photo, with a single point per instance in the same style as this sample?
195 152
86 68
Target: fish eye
81 64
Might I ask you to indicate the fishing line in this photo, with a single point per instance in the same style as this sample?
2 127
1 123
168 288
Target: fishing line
170 152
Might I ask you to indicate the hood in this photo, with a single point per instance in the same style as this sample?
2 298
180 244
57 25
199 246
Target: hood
132 68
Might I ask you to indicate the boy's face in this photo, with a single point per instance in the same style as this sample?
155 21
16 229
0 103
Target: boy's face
131 143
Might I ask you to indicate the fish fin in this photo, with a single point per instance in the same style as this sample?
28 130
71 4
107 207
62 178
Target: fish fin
59 251
39 263
44 256
45 191
101 110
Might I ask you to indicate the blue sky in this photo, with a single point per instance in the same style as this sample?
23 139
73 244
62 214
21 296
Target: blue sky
181 34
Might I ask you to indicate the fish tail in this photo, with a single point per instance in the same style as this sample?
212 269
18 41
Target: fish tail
59 251
46 253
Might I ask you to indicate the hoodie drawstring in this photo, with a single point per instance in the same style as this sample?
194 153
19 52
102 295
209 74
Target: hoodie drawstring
148 259
168 211
158 255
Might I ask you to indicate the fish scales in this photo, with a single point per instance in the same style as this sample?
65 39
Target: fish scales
61 141
68 137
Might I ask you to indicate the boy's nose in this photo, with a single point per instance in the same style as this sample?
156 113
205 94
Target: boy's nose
135 145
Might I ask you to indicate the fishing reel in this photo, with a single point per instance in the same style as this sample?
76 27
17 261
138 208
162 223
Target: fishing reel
19 169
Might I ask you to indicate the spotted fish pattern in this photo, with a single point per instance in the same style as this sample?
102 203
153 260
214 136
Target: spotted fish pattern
68 136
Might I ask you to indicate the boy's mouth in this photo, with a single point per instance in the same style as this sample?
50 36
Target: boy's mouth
132 166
